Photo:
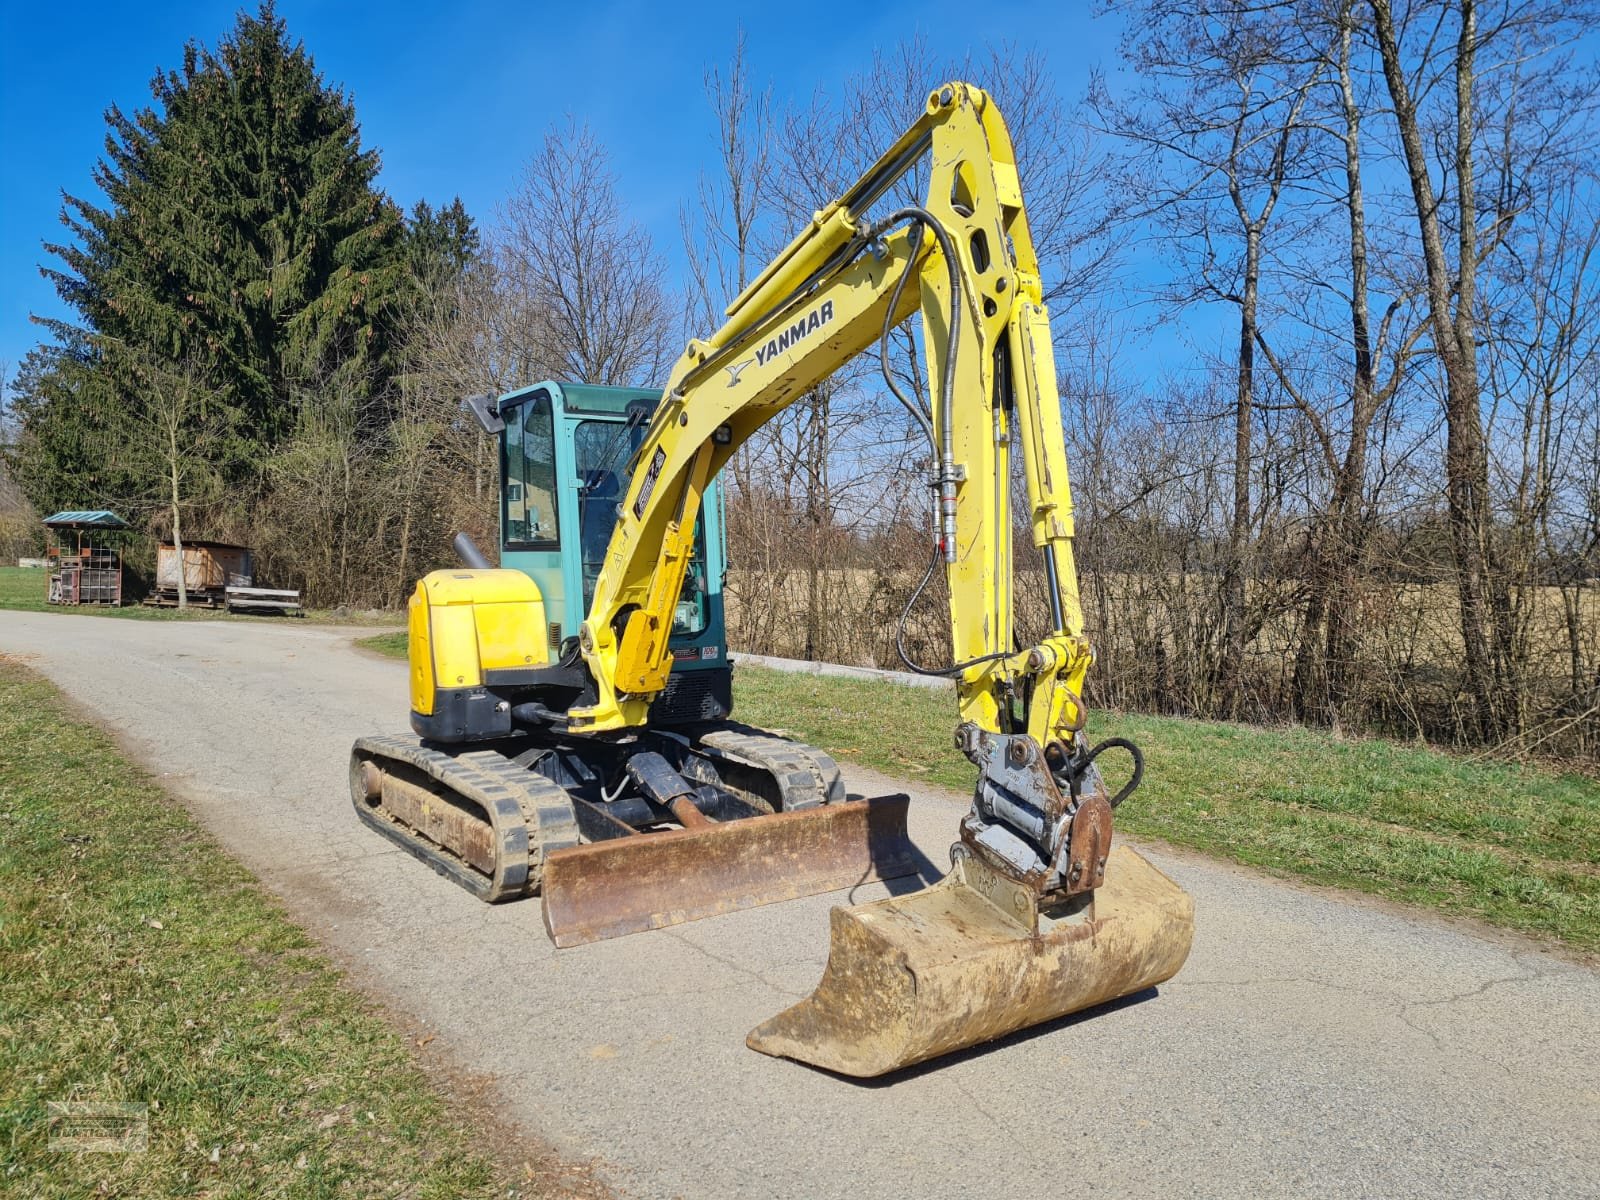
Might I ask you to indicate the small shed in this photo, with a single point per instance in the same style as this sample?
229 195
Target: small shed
85 557
209 570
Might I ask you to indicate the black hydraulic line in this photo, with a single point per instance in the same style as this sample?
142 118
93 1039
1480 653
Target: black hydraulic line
919 217
1120 743
530 712
911 406
946 449
900 633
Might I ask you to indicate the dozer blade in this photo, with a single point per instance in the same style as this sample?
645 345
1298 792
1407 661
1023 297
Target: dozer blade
628 884
914 977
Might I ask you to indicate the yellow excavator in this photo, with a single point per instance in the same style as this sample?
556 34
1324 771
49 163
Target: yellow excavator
602 769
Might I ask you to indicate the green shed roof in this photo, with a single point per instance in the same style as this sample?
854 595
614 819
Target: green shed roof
97 518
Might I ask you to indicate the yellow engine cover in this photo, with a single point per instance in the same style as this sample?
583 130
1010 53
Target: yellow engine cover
462 624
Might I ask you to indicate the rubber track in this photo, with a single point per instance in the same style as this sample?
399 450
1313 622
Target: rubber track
530 815
806 777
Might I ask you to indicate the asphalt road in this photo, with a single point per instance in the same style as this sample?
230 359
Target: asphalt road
1314 1045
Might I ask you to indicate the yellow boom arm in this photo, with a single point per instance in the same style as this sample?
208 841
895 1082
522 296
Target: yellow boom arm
825 299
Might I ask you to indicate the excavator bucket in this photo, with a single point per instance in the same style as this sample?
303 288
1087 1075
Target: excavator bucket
627 884
971 959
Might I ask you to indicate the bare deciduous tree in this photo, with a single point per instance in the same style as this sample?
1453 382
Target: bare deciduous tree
1218 128
586 276
1444 132
176 439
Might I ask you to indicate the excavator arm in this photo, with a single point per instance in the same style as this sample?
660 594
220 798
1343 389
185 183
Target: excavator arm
1039 916
830 296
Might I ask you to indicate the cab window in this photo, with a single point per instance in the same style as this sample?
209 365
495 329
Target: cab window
602 450
528 466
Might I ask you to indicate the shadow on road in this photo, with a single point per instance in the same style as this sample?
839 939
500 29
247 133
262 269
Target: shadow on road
917 1071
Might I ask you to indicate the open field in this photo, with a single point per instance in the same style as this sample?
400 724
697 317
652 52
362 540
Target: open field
138 963
1517 846
23 589
1409 625
1157 638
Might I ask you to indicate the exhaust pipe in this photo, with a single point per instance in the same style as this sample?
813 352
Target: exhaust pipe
467 551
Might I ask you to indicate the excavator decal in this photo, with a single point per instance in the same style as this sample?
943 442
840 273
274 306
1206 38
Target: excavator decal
657 461
804 327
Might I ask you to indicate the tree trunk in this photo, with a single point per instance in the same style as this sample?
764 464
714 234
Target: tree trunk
819 518
1234 593
405 555
175 478
1328 636
1236 569
1455 338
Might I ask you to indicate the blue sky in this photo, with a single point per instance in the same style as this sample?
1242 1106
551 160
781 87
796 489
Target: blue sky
457 96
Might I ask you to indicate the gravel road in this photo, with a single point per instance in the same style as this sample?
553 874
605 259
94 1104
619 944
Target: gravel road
1314 1045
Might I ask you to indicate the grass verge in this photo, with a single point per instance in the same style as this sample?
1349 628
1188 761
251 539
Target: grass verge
139 964
390 645
1516 846
23 590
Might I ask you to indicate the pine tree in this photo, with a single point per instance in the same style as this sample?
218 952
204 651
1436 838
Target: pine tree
440 244
242 228
67 430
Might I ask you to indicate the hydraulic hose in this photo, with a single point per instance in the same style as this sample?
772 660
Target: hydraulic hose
945 481
910 405
1117 743
900 633
919 216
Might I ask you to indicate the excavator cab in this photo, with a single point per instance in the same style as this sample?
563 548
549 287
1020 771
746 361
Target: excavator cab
564 459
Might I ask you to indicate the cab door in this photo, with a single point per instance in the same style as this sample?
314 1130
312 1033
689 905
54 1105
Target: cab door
533 462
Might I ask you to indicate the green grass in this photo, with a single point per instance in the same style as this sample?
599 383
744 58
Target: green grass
23 589
390 645
1516 846
138 963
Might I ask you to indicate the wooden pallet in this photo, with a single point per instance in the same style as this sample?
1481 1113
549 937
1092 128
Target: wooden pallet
168 598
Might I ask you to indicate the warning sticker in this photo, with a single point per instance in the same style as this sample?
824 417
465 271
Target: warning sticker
658 461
